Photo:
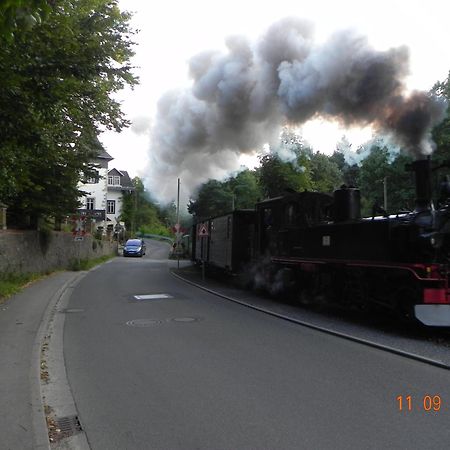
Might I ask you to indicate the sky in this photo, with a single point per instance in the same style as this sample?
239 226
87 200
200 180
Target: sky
172 32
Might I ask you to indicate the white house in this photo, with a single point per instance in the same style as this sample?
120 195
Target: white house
104 194
119 182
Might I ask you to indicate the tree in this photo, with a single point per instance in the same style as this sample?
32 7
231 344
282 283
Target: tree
286 167
400 184
214 198
16 15
325 173
55 98
441 133
245 189
276 176
140 214
373 170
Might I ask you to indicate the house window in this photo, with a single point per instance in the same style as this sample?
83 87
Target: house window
114 180
93 180
90 203
111 206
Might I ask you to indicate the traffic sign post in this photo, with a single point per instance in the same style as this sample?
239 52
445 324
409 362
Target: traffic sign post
202 233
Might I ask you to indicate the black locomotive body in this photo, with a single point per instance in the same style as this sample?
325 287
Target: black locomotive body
319 246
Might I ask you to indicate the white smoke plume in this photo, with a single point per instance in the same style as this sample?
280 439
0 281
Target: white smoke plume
240 99
141 125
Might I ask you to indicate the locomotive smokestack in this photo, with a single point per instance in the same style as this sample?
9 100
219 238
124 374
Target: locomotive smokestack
422 171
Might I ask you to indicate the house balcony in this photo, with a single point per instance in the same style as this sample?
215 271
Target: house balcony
97 214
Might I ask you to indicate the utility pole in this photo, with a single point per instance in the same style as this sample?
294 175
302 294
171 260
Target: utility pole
178 226
385 193
178 202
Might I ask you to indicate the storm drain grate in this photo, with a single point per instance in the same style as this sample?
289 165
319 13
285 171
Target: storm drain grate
68 425
143 322
151 322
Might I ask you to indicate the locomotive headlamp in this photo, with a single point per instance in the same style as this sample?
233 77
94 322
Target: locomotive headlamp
436 240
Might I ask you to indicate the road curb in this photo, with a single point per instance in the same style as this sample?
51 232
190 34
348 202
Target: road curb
369 343
48 345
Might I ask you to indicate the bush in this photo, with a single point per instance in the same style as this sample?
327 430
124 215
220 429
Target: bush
159 230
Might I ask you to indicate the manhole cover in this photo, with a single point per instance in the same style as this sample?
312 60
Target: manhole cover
143 322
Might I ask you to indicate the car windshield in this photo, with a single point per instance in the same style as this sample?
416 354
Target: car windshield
133 243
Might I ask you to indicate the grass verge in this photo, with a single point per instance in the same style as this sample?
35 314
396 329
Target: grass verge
86 264
12 283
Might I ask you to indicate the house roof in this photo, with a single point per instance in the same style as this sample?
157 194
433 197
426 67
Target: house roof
125 180
104 155
99 150
115 171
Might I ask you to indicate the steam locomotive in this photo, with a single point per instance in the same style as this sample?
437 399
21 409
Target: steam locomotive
318 246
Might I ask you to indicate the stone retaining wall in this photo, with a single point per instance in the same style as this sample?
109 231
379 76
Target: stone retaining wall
37 251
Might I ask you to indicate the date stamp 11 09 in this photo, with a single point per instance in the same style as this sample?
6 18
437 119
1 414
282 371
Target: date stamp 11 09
424 403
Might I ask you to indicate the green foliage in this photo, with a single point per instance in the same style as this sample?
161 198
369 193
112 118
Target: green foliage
157 229
371 176
400 185
17 15
213 198
276 176
378 168
55 98
86 264
12 283
286 167
325 173
349 173
140 213
441 133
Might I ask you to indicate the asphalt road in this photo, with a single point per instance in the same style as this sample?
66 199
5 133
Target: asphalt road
194 371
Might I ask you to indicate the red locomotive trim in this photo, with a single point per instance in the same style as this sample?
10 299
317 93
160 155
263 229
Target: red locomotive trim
435 296
431 269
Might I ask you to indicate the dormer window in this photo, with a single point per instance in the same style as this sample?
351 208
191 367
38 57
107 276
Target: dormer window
113 180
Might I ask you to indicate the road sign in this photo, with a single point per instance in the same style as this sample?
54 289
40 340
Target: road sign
203 231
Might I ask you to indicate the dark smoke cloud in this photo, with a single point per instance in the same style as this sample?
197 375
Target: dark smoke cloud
240 99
